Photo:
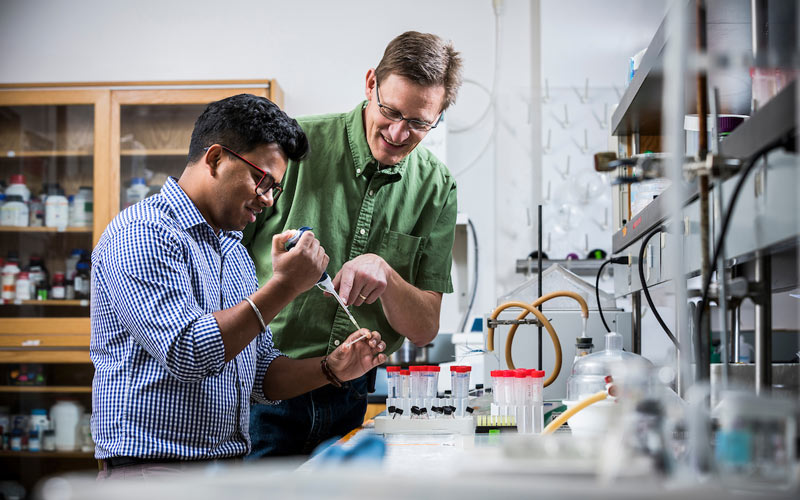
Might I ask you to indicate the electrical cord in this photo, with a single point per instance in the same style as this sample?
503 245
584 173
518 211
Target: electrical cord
726 219
646 289
475 283
613 260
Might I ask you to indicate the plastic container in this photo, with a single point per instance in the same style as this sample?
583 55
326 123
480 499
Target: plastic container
56 209
14 211
22 289
82 208
58 290
66 414
36 212
756 440
18 187
8 277
589 377
137 191
40 278
39 421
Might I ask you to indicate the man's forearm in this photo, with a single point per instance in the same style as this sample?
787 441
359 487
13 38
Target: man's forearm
412 312
287 378
239 324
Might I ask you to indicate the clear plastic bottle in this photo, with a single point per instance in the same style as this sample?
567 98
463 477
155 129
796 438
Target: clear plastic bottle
17 186
137 191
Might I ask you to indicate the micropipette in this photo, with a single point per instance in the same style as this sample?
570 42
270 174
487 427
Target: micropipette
324 282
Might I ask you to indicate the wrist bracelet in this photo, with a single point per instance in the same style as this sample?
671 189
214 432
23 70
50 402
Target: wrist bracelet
326 370
258 314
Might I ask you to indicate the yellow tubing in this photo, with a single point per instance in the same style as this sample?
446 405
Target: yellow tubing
555 424
529 309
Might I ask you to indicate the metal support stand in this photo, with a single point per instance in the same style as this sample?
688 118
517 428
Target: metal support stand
763 320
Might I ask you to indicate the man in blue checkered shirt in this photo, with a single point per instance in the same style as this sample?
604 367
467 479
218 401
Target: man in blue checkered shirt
179 337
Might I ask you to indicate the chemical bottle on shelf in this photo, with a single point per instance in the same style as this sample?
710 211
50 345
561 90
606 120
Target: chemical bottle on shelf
66 415
136 192
14 211
35 212
17 186
58 291
71 263
82 285
8 277
40 278
22 287
81 208
56 208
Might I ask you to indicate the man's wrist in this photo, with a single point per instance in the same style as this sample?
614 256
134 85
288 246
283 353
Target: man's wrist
326 370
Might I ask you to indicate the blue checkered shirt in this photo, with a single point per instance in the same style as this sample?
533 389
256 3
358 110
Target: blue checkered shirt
161 387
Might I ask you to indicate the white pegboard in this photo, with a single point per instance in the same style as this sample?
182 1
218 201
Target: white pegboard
577 200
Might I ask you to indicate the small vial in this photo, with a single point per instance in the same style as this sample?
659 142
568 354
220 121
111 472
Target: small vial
536 388
392 376
417 382
459 381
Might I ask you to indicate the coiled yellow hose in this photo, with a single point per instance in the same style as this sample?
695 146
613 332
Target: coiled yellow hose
531 308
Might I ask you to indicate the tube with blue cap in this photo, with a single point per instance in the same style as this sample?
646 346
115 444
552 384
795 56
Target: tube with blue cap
324 282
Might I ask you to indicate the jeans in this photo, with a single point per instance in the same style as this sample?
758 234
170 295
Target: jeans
296 426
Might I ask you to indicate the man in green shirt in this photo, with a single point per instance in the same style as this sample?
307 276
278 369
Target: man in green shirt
385 212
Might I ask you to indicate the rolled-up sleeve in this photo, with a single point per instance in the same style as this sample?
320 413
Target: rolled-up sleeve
266 353
149 284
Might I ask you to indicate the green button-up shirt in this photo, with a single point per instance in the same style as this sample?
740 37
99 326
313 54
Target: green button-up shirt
405 213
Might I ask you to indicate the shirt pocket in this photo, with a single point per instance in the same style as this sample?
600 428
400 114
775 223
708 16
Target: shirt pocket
403 253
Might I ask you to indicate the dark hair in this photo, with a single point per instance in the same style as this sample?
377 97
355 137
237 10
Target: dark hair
426 60
244 122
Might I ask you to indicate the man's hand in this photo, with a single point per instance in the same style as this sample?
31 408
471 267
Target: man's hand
362 279
350 362
301 267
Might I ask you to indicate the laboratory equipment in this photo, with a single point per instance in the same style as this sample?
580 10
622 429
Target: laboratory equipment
324 282
756 440
590 381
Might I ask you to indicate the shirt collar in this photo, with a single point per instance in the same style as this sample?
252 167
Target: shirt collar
362 156
186 212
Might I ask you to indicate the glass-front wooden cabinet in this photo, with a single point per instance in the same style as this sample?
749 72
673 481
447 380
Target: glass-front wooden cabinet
71 157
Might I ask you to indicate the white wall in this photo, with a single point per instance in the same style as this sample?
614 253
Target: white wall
319 51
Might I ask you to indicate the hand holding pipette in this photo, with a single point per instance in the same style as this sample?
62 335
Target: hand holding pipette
353 358
324 282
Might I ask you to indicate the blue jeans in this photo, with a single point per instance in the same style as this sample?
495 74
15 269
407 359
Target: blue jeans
296 426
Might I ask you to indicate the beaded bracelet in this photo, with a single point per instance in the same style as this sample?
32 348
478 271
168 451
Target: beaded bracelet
326 370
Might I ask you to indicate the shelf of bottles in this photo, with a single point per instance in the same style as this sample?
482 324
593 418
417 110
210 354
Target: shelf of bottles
46 207
154 144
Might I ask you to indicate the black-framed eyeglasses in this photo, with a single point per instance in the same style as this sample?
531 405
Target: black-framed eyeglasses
265 183
396 116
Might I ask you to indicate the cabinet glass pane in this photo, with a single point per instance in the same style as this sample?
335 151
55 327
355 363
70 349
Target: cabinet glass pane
46 176
154 143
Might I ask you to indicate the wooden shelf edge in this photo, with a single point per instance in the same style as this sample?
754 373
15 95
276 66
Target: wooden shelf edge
49 303
45 389
12 153
47 454
43 229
